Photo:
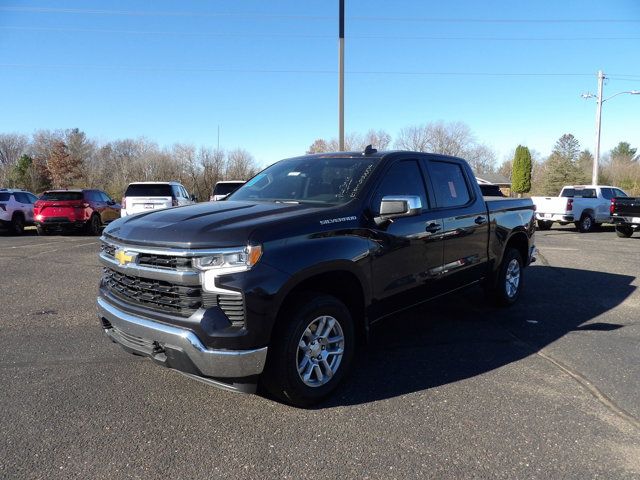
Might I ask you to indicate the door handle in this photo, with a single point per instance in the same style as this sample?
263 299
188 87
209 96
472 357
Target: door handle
433 227
480 220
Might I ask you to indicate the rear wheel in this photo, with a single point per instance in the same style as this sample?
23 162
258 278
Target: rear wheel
311 352
624 231
93 225
586 224
508 284
17 224
544 225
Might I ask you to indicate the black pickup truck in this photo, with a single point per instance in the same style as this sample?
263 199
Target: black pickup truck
625 214
278 283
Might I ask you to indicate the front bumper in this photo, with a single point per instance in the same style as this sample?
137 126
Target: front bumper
176 347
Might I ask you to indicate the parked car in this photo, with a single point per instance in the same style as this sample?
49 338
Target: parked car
144 196
16 209
225 188
587 206
278 283
625 212
78 209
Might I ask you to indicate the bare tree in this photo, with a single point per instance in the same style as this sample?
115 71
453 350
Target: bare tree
379 139
240 165
12 146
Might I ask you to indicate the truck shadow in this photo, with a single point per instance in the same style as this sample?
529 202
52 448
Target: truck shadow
463 335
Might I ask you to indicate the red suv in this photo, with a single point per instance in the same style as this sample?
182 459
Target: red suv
86 210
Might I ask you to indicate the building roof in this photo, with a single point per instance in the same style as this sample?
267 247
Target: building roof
494 178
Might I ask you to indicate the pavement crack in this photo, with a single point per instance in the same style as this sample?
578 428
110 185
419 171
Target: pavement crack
583 381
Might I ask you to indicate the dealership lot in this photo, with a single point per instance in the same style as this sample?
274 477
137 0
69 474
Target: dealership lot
454 389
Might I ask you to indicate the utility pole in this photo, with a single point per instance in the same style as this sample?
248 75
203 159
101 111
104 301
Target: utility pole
596 156
341 75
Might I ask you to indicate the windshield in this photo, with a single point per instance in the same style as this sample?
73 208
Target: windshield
61 196
328 181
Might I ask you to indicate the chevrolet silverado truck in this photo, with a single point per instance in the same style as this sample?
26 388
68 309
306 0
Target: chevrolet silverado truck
276 285
586 206
625 212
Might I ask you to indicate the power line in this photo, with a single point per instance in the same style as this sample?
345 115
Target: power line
295 35
159 13
288 71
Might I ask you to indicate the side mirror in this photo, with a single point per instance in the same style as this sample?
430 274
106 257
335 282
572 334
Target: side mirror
395 206
111 202
194 198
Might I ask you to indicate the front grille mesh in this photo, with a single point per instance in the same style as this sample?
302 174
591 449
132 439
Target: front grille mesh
155 294
163 261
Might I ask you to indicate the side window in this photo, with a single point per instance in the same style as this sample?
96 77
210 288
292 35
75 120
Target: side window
607 193
32 198
21 197
176 191
450 186
184 192
403 178
588 193
104 197
619 193
92 196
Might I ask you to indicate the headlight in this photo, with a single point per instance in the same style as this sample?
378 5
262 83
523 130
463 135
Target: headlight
236 259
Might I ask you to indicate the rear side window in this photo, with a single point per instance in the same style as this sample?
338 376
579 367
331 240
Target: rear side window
449 184
21 197
585 193
62 196
403 178
148 190
4 197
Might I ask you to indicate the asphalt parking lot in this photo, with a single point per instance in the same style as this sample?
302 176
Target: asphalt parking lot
454 389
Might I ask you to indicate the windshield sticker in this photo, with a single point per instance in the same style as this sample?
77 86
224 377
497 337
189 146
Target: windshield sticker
337 220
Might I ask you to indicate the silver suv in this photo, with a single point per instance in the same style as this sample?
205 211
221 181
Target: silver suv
16 209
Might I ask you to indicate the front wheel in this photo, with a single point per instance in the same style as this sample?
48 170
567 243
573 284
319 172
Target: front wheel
311 352
624 231
506 289
93 225
544 225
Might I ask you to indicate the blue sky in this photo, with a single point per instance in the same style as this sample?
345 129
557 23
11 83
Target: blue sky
266 72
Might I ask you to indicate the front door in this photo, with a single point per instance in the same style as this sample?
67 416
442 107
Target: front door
407 263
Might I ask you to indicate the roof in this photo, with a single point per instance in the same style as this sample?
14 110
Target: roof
155 183
494 178
231 181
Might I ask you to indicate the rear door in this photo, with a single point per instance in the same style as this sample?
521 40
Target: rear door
24 204
142 197
465 222
407 265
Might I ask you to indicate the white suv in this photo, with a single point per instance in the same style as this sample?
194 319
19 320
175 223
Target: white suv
144 196
16 209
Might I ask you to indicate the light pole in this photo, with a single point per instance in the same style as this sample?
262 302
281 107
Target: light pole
599 102
341 75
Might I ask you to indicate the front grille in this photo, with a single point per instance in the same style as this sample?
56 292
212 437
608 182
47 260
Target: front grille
154 294
107 249
163 261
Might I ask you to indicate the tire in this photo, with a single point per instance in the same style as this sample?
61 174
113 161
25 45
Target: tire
586 224
281 376
544 225
42 230
624 231
93 225
17 224
509 279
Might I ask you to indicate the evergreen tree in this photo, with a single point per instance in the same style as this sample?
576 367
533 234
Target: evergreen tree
521 170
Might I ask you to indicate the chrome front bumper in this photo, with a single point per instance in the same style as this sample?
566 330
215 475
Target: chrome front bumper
159 341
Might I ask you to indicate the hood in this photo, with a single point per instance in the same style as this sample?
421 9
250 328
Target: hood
206 225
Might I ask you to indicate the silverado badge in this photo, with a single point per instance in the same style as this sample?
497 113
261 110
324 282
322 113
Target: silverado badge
123 257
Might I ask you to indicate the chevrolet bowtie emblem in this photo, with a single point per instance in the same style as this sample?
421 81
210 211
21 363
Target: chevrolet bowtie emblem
123 257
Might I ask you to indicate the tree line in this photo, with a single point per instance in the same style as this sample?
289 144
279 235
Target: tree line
68 158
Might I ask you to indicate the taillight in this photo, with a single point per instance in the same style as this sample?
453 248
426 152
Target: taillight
612 206
569 204
174 202
124 202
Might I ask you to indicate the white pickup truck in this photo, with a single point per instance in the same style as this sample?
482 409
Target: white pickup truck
585 205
